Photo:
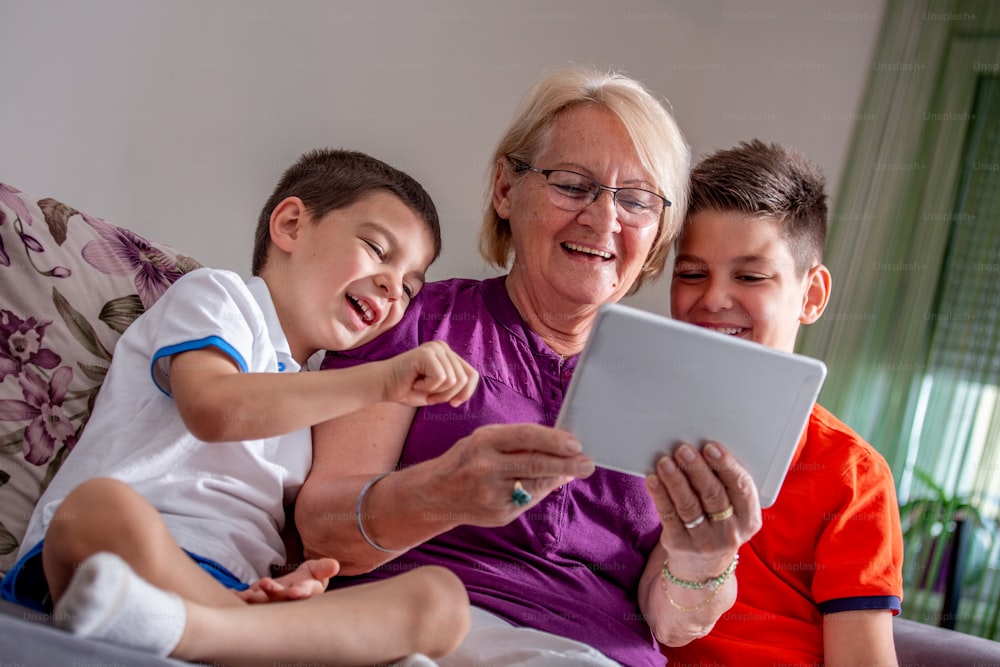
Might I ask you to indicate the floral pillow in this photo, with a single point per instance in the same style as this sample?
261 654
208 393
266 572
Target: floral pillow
71 284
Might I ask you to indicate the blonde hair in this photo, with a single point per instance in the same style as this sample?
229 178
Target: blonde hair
654 133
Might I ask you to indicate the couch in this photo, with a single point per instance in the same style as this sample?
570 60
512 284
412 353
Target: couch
72 283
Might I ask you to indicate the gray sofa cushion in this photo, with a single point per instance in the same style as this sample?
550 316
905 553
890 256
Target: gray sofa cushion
920 644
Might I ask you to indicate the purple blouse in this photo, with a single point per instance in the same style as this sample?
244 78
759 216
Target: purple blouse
570 565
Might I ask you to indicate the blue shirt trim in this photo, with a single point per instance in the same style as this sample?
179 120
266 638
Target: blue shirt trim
200 344
218 572
25 583
890 602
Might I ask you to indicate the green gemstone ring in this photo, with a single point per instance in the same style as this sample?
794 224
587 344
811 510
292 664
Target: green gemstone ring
520 496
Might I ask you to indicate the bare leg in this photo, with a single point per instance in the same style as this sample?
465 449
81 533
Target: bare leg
107 515
421 611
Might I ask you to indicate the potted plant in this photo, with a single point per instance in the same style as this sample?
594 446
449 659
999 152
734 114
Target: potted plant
946 549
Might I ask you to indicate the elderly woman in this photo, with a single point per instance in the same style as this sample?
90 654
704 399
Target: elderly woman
564 563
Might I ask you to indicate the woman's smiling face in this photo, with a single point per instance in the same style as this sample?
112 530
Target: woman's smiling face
586 257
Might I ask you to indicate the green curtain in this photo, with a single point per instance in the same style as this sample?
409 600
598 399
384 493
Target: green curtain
954 435
893 216
964 357
911 336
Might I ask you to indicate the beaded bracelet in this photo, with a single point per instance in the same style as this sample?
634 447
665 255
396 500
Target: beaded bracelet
361 525
714 584
703 603
711 584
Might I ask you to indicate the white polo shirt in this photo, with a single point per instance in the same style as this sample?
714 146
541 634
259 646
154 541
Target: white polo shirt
224 501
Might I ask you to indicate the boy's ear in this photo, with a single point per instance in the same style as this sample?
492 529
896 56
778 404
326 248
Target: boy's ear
287 219
502 184
817 294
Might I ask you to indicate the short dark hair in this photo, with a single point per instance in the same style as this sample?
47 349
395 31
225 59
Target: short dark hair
768 181
328 179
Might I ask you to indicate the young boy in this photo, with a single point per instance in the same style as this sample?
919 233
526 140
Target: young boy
821 581
200 438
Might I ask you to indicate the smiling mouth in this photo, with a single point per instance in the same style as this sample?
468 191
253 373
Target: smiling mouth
592 252
727 330
363 309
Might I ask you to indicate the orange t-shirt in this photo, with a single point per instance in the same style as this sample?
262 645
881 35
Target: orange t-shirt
831 542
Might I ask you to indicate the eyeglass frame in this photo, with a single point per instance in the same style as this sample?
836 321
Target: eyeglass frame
521 166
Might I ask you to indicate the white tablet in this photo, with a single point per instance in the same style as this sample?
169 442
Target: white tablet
645 383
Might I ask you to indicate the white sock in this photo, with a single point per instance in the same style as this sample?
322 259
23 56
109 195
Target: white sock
107 600
415 660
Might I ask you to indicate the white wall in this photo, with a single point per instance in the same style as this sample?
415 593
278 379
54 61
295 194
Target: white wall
176 117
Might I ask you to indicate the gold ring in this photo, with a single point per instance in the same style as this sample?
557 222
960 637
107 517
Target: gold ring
721 516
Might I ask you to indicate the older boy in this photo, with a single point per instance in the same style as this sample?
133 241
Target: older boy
821 581
175 494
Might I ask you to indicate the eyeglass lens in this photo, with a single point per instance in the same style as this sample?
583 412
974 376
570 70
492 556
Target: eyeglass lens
573 192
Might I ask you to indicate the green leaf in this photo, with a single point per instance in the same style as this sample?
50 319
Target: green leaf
8 543
56 216
928 481
121 312
95 372
12 442
938 503
54 466
186 264
79 326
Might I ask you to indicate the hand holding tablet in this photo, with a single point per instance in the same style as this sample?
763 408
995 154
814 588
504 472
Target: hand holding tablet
645 383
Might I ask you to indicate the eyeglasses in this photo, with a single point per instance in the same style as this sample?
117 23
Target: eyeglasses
571 191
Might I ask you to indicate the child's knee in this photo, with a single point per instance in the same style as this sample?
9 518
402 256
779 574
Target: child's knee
444 586
99 489
443 610
98 513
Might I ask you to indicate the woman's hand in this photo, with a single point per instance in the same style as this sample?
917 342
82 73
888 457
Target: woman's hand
428 374
708 506
479 474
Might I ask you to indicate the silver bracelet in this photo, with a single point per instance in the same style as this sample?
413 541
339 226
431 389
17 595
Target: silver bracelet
357 513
